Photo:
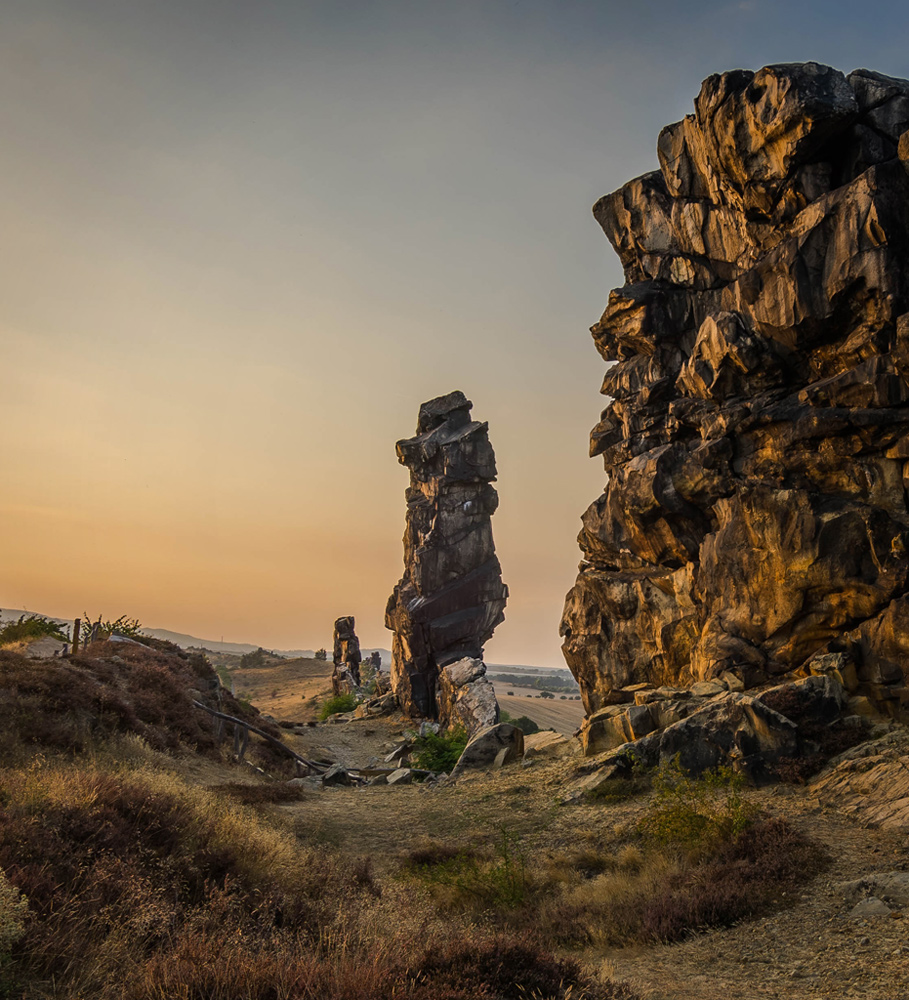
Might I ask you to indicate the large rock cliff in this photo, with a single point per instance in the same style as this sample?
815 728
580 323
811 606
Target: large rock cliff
451 596
755 518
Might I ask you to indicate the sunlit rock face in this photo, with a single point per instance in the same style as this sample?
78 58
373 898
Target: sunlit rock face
451 597
756 444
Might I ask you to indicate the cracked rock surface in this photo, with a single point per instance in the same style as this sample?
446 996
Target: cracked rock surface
451 597
755 517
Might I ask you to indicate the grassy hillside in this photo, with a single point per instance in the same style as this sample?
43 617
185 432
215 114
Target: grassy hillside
123 878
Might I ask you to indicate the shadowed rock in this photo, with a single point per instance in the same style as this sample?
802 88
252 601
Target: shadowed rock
451 597
345 678
755 517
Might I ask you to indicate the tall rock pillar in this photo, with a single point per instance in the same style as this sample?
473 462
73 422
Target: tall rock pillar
451 597
345 678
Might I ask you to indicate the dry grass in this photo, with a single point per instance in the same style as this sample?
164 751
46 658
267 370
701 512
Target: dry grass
143 887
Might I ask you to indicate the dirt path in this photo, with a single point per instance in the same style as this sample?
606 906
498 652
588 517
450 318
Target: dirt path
812 949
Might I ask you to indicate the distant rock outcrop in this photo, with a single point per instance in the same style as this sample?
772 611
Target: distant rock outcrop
451 597
755 520
345 678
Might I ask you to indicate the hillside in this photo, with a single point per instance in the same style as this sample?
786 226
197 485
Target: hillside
116 789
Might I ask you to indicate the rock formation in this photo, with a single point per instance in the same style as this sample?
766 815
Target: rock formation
755 518
345 678
451 596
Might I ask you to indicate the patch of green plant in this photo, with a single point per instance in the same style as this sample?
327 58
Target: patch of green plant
437 752
497 883
337 704
13 913
31 627
696 812
124 625
526 725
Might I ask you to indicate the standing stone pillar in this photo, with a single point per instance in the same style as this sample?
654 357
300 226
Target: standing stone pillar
451 597
346 676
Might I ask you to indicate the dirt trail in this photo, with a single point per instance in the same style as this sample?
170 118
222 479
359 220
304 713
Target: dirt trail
810 949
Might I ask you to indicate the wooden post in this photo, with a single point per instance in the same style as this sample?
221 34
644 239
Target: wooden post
77 625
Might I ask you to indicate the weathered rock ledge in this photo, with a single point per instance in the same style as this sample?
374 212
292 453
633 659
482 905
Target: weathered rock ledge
755 520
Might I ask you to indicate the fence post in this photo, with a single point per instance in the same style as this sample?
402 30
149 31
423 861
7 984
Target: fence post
77 625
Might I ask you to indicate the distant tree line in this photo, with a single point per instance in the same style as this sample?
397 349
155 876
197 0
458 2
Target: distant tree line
556 684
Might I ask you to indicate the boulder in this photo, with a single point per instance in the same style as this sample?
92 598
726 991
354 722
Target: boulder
336 775
402 776
755 521
491 747
548 743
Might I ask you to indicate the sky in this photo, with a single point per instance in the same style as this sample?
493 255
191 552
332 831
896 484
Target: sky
241 242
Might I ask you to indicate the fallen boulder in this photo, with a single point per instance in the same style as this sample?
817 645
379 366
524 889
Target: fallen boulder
493 745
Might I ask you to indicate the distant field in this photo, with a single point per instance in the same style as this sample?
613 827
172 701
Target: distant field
285 689
562 716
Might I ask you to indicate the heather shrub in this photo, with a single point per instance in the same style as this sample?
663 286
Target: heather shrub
142 887
13 911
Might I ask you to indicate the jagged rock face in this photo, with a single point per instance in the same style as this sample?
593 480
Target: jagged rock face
755 514
345 678
451 597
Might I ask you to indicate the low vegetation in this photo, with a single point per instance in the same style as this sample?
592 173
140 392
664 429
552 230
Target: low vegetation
527 726
439 751
120 879
698 856
103 629
30 627
337 704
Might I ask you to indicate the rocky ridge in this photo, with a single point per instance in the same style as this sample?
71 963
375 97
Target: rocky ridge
755 519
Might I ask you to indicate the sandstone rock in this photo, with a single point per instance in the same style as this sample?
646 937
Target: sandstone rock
755 519
732 729
336 775
547 743
345 678
891 887
451 597
870 907
707 689
402 776
870 782
484 749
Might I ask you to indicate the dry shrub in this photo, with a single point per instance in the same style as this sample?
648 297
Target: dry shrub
143 888
663 894
78 704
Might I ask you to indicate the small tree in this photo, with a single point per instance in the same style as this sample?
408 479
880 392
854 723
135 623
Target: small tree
322 654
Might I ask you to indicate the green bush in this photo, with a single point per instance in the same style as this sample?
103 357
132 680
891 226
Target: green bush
696 812
339 703
130 627
439 753
31 627
497 883
13 911
526 725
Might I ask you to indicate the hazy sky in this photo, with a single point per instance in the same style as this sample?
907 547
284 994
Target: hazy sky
243 241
